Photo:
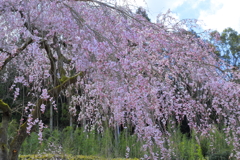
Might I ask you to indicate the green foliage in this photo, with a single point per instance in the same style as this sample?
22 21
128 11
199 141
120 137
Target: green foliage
185 147
88 143
211 147
12 129
229 47
231 39
70 142
80 142
131 141
220 148
68 157
220 156
31 145
205 146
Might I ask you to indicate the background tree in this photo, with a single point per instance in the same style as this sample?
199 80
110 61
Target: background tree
228 46
143 13
115 68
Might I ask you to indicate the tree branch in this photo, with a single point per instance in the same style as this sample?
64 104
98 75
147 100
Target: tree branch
11 56
5 107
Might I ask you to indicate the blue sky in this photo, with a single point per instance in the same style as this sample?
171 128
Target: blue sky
214 14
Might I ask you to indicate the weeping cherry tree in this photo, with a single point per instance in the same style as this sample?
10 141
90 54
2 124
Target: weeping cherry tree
129 71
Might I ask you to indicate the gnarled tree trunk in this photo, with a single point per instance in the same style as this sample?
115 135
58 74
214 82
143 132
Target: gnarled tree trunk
4 148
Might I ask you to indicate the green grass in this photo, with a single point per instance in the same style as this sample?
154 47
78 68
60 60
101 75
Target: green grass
68 157
92 144
211 147
78 142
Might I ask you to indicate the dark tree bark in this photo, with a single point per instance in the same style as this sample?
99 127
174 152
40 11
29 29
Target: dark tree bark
6 114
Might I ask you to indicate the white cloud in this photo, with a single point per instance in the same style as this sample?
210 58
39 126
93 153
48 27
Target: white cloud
132 3
216 14
156 7
222 14
195 3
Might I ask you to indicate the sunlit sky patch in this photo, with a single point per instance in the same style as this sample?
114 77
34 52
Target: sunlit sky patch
215 14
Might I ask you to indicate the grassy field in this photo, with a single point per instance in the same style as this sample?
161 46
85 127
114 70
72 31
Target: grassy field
77 144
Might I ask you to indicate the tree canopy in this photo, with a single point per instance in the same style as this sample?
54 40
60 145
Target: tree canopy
117 68
228 46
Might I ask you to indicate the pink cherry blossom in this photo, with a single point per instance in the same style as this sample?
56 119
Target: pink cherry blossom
42 108
44 94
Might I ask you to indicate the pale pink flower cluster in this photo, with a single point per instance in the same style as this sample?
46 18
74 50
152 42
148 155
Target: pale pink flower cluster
41 127
5 76
42 108
30 78
29 106
73 110
31 123
3 57
19 79
53 103
46 74
16 93
127 152
44 94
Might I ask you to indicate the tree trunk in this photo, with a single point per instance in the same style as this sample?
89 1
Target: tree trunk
17 142
4 137
6 114
22 134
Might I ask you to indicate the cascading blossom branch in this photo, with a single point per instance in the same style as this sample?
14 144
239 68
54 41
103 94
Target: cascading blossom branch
119 68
